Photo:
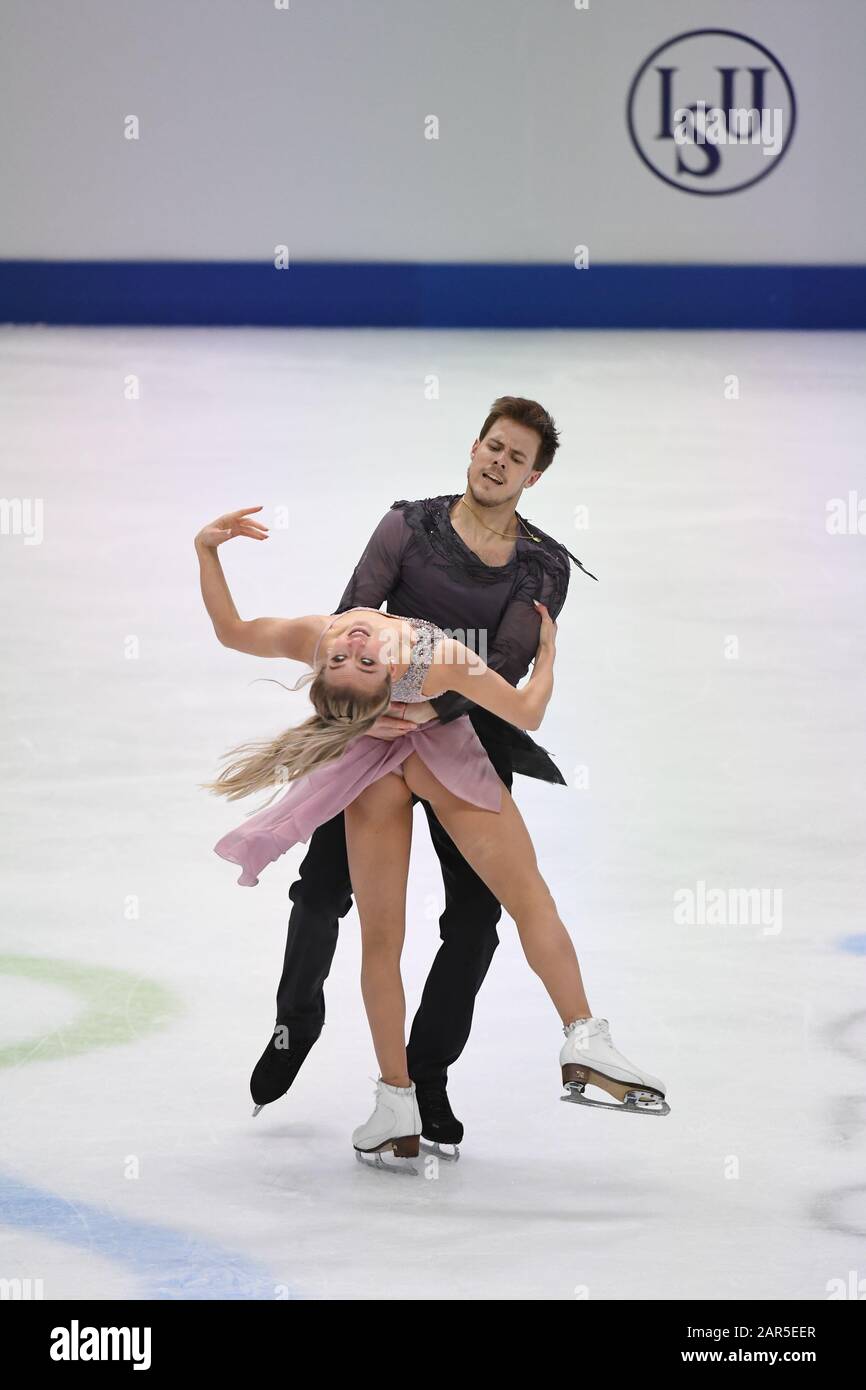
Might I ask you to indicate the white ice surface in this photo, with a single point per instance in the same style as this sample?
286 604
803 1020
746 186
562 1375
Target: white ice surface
706 522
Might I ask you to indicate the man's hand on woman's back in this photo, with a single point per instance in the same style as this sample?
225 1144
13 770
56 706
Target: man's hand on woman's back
396 723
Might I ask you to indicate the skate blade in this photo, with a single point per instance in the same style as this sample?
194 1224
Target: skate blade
633 1102
374 1159
434 1147
257 1109
403 1148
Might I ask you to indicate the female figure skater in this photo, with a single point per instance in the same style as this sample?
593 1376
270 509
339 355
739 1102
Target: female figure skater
361 662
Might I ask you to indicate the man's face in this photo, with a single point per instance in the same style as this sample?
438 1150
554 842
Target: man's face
502 463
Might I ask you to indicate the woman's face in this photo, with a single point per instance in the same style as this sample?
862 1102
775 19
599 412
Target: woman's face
358 657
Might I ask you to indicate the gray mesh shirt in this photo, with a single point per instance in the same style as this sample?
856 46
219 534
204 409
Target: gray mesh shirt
418 566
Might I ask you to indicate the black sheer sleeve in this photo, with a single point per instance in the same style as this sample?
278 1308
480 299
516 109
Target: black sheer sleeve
516 641
378 569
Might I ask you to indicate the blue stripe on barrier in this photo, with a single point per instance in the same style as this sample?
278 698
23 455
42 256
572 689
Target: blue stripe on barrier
171 1263
393 294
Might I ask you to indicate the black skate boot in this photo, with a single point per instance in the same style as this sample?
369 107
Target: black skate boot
277 1067
439 1124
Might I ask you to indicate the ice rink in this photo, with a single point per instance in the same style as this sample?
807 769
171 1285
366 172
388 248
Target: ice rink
707 715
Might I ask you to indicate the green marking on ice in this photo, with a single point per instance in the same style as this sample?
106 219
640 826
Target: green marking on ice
117 1007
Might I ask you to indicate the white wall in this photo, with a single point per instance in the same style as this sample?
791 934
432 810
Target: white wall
262 126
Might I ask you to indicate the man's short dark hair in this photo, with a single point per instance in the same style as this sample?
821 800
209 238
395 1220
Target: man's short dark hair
534 417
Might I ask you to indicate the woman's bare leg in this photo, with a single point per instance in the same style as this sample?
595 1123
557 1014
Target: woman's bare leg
378 840
498 847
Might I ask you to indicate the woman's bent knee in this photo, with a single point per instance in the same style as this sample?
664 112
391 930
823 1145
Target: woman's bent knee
382 946
534 905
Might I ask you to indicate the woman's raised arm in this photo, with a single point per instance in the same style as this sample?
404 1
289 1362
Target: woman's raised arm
292 638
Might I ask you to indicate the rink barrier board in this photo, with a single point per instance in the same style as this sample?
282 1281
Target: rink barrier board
338 294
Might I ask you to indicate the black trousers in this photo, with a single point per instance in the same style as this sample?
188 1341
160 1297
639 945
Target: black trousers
323 894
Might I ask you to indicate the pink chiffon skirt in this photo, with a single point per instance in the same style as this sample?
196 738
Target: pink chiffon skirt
453 752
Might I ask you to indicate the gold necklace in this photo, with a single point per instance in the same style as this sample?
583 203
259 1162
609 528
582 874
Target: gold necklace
501 533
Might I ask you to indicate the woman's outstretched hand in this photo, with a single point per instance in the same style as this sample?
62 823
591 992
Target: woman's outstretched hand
231 524
547 634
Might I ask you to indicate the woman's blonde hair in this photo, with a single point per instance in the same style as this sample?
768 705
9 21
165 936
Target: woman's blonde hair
342 715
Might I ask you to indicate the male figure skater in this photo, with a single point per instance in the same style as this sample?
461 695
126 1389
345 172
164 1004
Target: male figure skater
471 565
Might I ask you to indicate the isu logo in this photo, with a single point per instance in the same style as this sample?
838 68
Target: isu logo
711 112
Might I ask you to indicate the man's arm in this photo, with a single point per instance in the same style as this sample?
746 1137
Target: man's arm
513 649
378 569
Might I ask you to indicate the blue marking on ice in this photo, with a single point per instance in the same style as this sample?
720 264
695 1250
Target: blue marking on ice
855 944
172 1264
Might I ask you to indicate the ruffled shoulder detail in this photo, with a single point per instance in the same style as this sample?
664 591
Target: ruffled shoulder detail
555 547
428 518
547 564
538 555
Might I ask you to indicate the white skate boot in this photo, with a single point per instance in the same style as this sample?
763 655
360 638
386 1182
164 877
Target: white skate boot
589 1058
395 1124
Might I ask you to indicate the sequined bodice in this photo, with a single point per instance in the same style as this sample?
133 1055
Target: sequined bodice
427 634
408 687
